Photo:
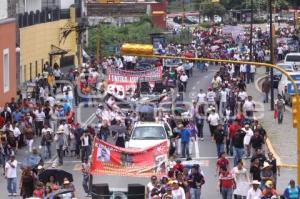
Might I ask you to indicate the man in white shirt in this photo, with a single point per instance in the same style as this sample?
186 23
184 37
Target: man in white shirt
11 175
39 120
211 95
17 133
249 107
254 192
201 97
183 78
223 100
213 120
51 100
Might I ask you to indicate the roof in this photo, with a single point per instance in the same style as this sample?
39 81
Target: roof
57 51
7 20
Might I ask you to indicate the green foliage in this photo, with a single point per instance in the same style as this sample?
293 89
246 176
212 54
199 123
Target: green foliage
205 25
112 37
210 9
183 37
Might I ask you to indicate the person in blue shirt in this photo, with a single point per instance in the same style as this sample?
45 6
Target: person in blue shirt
185 141
292 191
17 115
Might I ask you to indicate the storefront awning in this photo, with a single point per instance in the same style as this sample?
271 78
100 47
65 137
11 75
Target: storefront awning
57 51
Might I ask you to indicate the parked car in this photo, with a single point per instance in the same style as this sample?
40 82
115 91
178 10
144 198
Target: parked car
147 134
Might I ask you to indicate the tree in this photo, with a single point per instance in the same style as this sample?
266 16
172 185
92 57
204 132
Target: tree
211 9
111 36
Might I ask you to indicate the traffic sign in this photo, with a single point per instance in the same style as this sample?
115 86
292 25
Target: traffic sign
290 88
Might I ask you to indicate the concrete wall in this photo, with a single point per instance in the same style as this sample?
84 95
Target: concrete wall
3 9
8 43
35 44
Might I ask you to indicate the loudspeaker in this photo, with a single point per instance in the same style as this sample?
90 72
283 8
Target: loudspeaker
100 191
136 191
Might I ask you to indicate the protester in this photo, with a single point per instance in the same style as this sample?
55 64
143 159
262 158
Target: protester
11 175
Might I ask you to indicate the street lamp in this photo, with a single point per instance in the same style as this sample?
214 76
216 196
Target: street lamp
251 33
271 55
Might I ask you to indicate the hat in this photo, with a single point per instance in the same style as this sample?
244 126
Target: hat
269 184
174 182
255 182
60 130
40 167
266 165
180 125
66 181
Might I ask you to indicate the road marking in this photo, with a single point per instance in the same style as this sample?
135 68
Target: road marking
89 120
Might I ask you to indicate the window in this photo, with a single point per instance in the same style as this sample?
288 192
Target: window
5 70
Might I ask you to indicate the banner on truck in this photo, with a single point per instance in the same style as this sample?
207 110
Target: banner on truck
108 159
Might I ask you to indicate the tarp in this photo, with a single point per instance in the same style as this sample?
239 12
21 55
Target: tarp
108 159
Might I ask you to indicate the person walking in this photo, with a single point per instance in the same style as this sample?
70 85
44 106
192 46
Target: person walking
220 139
265 87
185 141
61 143
226 183
254 192
85 175
85 146
292 191
249 107
238 146
196 181
213 121
11 175
200 122
279 108
27 183
241 179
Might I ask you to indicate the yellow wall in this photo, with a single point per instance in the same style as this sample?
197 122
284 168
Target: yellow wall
36 41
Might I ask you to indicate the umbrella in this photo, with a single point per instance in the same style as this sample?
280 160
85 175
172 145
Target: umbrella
58 192
58 174
31 161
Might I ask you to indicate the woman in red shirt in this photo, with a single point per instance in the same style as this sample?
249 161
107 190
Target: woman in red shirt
222 162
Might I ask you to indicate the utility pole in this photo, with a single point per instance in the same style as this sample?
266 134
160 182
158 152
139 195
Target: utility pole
251 33
271 55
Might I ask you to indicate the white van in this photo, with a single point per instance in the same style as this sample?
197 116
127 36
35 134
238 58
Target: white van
293 58
283 87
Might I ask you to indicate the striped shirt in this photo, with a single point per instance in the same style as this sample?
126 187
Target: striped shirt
39 116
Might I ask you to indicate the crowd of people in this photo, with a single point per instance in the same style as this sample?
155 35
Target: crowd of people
47 116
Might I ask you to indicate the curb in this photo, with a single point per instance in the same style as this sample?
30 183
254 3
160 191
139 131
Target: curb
268 142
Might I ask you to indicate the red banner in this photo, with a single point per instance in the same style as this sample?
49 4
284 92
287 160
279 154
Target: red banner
108 159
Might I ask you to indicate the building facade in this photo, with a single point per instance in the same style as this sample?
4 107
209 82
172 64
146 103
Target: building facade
8 86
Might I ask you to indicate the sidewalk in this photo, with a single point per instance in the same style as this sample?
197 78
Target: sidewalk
283 137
